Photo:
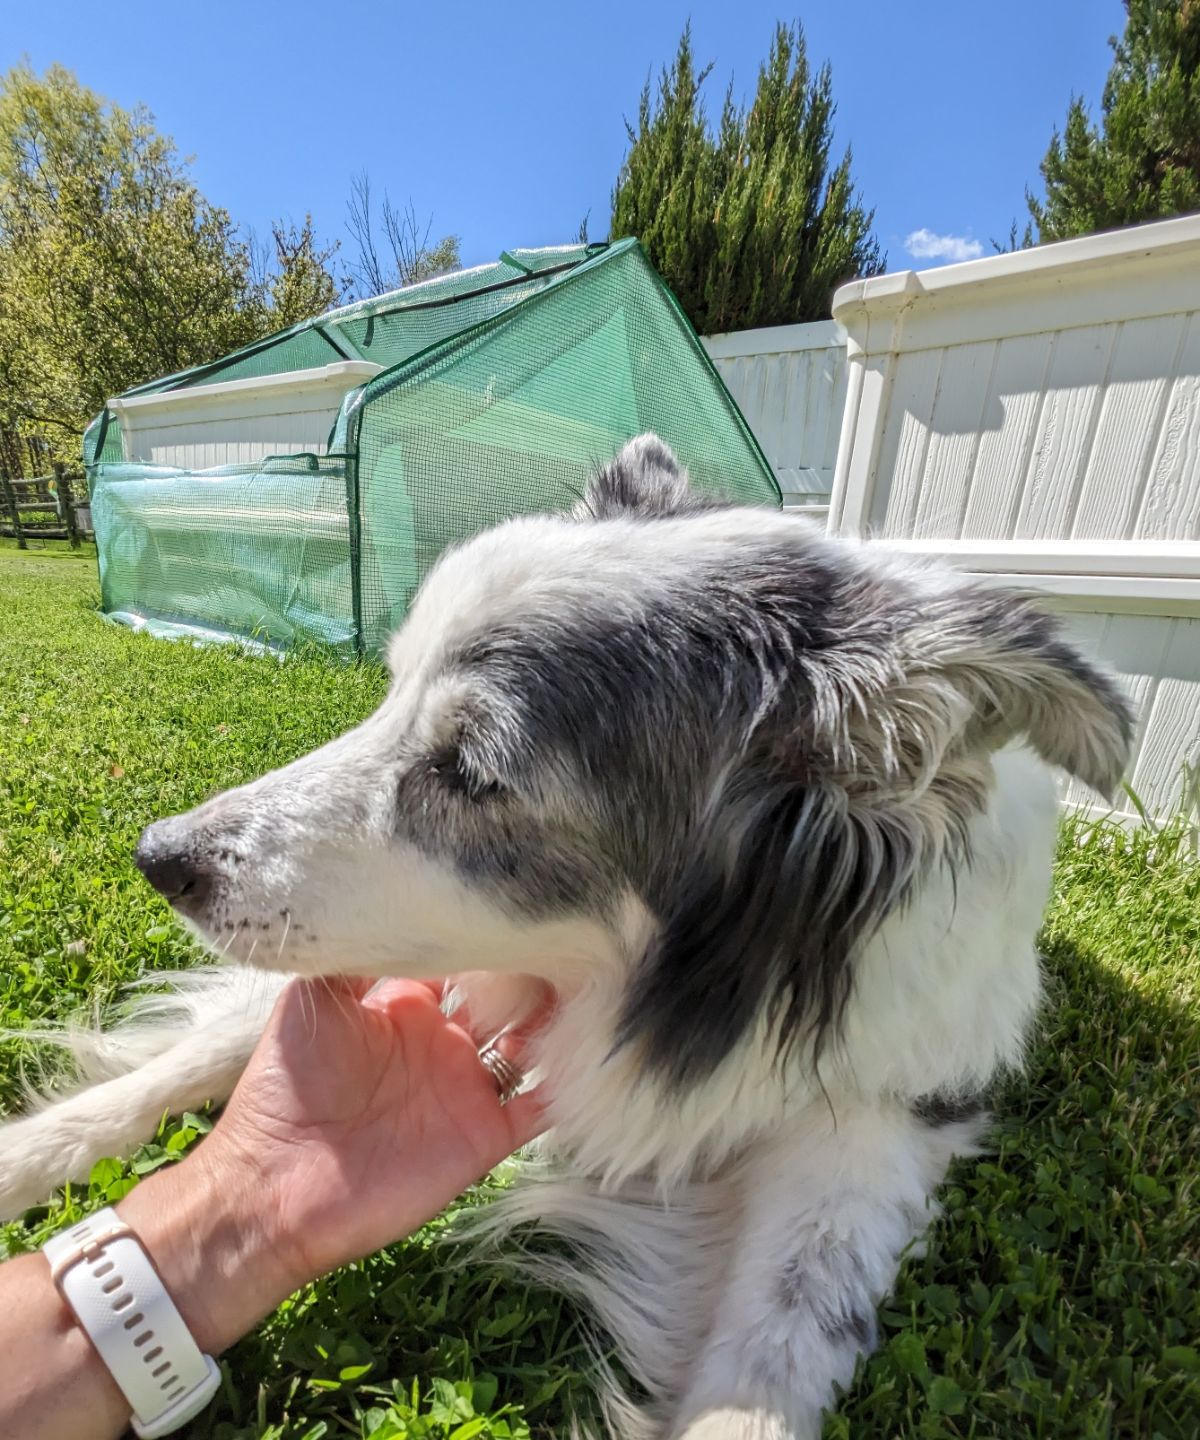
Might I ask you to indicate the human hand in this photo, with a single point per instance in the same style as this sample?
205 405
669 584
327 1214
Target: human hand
358 1118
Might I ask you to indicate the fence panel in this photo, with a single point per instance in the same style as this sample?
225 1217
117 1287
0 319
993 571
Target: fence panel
790 383
237 422
1049 394
1033 418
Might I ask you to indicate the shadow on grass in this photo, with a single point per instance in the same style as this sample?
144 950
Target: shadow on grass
1060 1295
49 550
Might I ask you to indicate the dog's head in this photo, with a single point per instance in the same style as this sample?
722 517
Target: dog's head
702 743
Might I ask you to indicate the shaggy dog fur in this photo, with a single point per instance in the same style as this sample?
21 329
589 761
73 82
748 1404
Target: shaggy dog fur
773 812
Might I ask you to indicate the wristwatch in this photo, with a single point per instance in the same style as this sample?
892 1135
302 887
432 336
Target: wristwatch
110 1283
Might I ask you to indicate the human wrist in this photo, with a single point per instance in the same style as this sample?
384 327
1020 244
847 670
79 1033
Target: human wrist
210 1239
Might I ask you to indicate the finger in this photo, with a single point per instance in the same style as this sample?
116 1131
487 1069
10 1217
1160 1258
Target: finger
384 993
514 1041
487 1004
521 1007
526 1116
358 986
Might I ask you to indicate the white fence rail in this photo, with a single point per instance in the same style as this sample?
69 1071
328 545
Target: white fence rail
790 382
1049 394
1033 418
234 422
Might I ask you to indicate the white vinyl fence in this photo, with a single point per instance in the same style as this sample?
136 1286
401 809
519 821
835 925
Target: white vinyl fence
790 382
1035 418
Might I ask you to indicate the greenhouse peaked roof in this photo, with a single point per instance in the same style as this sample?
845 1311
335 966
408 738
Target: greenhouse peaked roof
388 328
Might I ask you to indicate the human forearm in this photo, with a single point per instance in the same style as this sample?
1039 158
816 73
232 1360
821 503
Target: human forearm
213 1243
217 1260
52 1376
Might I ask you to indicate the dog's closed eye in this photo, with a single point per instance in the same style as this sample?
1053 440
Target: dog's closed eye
456 774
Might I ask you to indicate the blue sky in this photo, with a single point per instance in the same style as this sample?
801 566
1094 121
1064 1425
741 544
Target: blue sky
506 123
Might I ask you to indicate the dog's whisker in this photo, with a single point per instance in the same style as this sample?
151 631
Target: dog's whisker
287 926
308 1010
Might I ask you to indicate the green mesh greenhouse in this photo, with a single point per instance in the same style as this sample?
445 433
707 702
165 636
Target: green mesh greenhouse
299 489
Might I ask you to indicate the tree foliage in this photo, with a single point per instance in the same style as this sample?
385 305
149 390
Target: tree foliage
1142 162
114 268
751 224
301 282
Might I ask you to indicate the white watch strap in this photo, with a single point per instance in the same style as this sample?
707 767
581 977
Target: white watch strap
108 1280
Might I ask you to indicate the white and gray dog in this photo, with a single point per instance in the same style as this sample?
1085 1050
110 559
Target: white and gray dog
774 813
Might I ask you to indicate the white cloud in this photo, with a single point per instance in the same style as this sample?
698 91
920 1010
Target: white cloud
926 245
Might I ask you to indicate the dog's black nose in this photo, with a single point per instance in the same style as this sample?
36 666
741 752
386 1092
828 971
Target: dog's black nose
172 866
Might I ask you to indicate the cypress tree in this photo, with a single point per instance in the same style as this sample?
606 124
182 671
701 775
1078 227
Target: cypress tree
1143 161
749 225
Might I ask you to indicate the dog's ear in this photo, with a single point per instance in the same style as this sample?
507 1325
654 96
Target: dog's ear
1023 678
1001 661
864 769
643 481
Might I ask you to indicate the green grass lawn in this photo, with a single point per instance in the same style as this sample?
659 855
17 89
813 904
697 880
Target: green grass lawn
1059 1297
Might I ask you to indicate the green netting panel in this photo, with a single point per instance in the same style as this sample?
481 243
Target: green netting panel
512 265
388 328
515 414
92 438
102 440
520 378
252 550
431 292
549 257
301 348
393 328
304 351
395 335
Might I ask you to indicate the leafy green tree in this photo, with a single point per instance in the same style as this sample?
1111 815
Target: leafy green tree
114 268
751 224
302 282
1143 160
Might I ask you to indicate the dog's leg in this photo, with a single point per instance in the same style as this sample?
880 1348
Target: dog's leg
829 1208
175 1052
650 1269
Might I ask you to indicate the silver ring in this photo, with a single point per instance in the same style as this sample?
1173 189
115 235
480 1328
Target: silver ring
502 1070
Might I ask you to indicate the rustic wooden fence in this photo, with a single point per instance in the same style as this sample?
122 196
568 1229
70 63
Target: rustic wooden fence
44 507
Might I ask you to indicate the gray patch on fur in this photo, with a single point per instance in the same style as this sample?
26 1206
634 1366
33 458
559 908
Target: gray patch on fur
842 1319
943 1108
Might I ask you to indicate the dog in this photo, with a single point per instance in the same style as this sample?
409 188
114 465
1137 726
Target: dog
773 812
